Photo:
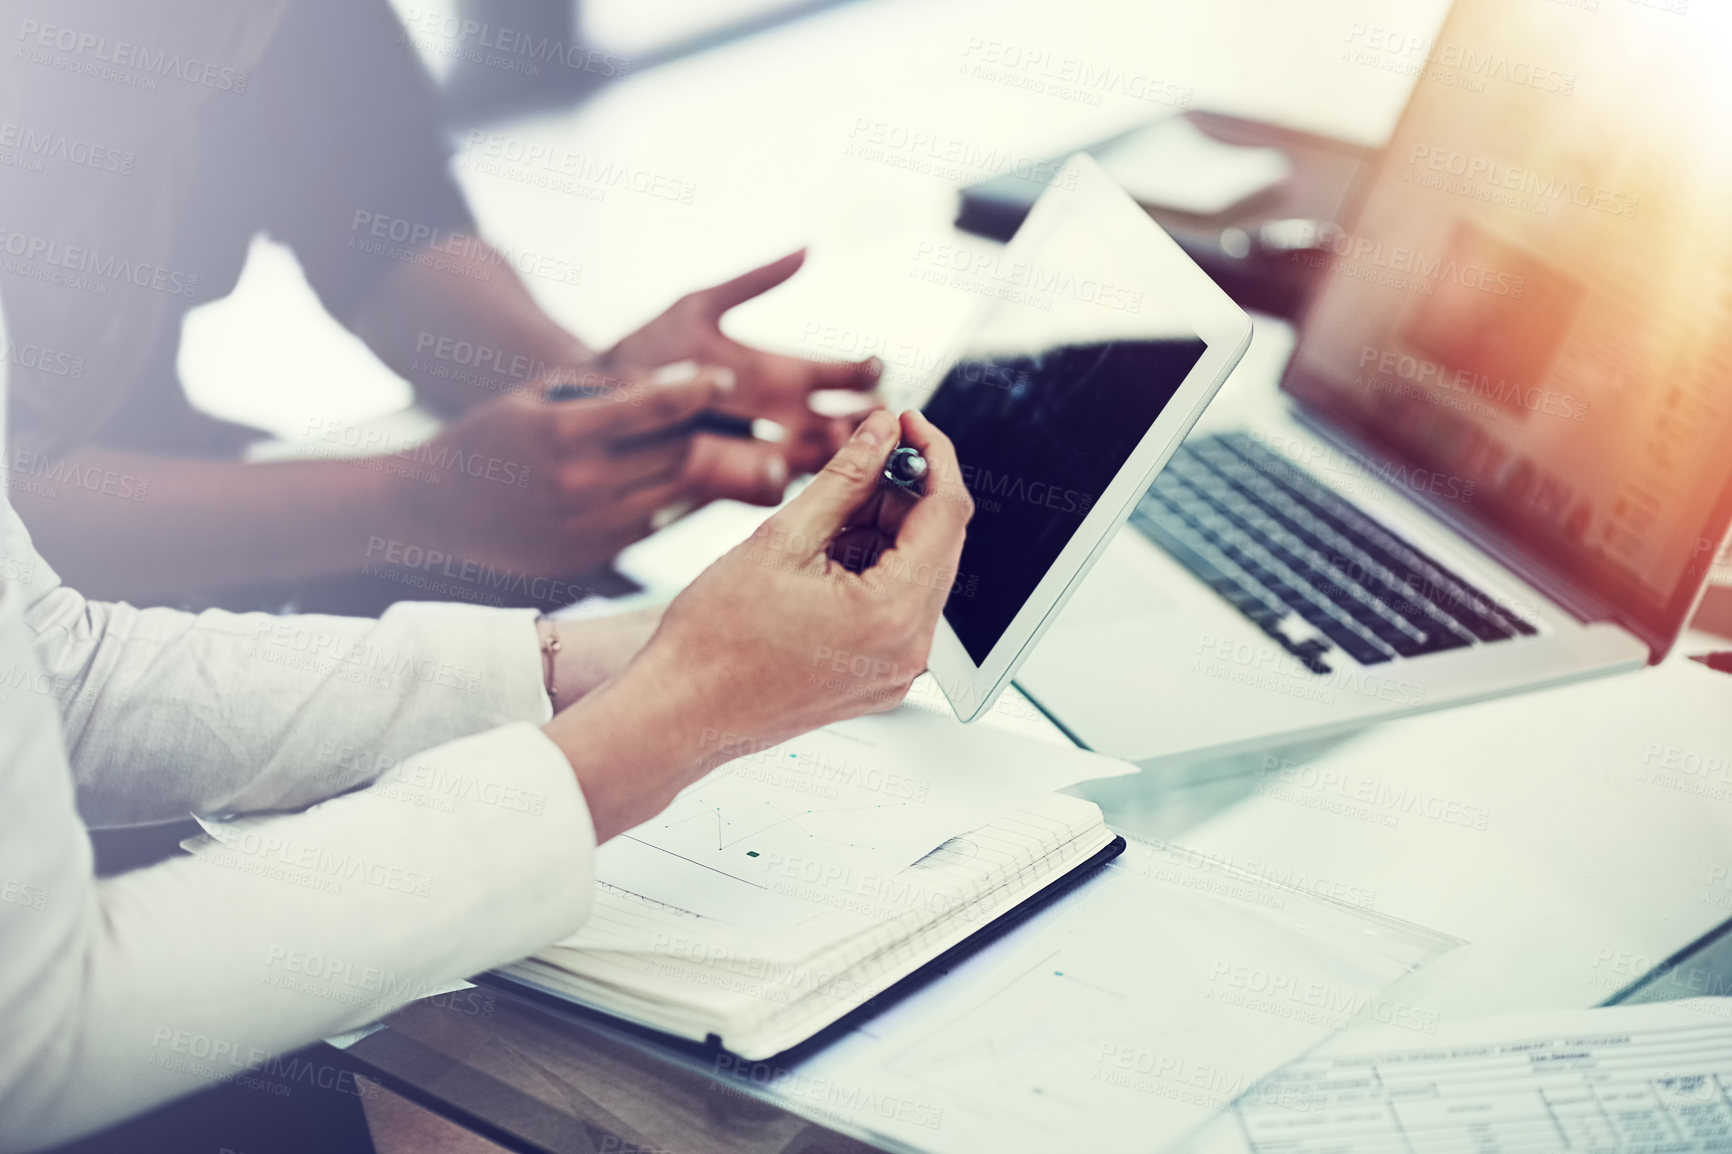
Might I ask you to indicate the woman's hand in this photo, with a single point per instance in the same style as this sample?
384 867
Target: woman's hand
748 655
768 385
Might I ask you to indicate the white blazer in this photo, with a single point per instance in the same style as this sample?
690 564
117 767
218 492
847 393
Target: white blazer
472 846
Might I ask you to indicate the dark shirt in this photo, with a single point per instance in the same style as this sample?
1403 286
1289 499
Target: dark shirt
144 144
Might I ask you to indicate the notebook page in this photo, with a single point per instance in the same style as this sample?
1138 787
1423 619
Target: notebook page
835 906
830 809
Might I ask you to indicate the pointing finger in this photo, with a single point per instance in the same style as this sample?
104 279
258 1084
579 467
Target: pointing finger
718 299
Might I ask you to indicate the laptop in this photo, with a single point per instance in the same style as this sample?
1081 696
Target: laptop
1499 456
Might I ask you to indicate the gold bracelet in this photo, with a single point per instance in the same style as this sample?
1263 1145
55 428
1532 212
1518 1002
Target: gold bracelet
549 650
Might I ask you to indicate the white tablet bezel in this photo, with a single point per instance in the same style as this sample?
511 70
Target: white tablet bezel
1082 186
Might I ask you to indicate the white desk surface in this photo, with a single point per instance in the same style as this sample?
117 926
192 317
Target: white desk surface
1596 859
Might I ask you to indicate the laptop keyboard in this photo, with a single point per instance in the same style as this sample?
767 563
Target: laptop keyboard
1307 566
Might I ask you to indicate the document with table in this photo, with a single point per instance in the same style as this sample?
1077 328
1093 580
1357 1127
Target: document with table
1627 1078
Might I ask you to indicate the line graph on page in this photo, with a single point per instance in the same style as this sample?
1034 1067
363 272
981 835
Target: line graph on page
735 827
778 838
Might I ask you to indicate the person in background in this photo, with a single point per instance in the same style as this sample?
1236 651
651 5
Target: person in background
513 55
149 144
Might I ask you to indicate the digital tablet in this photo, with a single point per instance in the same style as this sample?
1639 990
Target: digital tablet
1093 353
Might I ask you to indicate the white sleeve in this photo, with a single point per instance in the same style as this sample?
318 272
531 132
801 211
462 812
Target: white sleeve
168 713
118 995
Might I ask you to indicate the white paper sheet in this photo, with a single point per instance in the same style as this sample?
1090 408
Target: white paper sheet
1122 1019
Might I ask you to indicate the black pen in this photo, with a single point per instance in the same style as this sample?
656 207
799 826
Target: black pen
906 469
712 421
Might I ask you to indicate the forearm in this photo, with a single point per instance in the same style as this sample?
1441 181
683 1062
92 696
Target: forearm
582 653
172 713
639 738
122 994
167 713
465 329
169 525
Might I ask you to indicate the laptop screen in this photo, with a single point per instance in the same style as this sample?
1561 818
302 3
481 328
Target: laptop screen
1533 302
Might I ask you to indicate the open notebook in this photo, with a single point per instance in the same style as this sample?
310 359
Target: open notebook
766 980
781 891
